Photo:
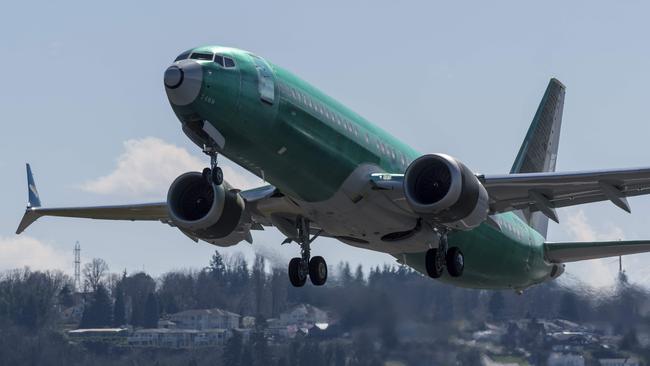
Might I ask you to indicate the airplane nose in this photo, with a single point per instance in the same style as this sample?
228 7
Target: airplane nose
183 82
173 77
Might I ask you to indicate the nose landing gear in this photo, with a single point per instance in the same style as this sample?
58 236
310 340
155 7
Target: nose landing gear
303 266
214 174
436 259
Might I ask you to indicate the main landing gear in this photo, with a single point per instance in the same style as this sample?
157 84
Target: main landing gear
305 265
213 174
436 259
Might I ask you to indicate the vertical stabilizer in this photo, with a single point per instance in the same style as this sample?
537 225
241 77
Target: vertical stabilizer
538 152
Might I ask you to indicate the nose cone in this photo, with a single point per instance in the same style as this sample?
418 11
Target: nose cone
183 82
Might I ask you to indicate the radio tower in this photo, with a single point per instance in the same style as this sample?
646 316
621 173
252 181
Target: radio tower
77 265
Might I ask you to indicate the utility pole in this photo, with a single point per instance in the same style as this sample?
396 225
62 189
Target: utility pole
77 266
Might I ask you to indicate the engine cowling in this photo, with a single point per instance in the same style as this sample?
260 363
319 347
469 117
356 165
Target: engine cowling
205 210
443 190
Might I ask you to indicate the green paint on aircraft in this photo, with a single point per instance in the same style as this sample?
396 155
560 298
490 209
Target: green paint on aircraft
308 144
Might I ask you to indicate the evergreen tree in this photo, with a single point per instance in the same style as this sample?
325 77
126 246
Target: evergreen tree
232 352
568 306
217 267
151 312
260 348
65 296
358 275
119 310
97 314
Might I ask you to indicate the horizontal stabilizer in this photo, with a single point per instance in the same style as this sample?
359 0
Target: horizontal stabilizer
578 251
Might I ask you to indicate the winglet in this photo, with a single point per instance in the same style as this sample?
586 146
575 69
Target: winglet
34 199
33 203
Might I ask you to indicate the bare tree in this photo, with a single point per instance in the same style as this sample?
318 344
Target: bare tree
95 273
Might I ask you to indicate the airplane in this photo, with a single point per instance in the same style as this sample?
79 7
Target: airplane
331 173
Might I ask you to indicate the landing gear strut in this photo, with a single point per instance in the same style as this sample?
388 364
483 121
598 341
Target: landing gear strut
213 174
305 265
436 259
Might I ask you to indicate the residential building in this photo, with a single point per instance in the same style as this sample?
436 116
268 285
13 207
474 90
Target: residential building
205 319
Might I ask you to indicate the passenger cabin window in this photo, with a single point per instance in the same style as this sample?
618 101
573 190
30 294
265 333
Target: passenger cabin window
201 56
218 59
183 56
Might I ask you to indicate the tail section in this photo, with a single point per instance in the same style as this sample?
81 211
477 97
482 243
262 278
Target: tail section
538 152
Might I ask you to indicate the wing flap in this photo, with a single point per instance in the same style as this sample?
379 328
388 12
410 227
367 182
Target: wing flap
578 251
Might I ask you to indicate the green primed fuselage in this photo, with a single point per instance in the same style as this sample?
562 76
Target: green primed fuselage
306 144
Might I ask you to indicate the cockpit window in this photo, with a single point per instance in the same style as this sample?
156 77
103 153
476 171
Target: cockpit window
183 56
201 56
228 62
218 59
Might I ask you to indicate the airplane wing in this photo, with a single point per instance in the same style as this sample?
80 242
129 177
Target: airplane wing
547 191
155 211
578 251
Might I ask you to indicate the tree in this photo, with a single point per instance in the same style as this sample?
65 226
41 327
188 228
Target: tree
94 273
137 287
217 267
152 312
568 306
260 348
97 313
345 274
119 309
358 275
65 296
259 281
232 353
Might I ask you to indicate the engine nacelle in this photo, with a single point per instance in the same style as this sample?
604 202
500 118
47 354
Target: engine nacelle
205 210
443 190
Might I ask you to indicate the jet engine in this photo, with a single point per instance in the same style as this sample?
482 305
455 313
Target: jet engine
202 209
443 190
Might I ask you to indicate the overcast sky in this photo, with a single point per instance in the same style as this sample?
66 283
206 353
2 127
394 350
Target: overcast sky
83 102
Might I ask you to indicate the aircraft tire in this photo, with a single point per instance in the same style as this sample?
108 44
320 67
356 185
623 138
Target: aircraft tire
455 262
297 277
217 176
318 271
433 263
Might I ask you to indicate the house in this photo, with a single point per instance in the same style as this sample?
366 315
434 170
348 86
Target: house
298 320
304 316
565 359
622 361
205 319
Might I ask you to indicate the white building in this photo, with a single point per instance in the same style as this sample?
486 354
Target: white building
304 315
300 318
565 359
178 338
629 361
205 319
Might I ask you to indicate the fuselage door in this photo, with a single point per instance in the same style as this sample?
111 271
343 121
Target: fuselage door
266 84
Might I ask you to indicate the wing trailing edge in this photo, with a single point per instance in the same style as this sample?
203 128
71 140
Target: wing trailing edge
578 251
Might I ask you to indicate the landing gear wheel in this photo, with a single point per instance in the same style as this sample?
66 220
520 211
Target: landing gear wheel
455 262
217 176
434 263
297 276
318 271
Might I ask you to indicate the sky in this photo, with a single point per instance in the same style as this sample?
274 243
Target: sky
83 101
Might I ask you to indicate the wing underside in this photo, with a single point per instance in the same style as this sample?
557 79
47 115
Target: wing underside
578 251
